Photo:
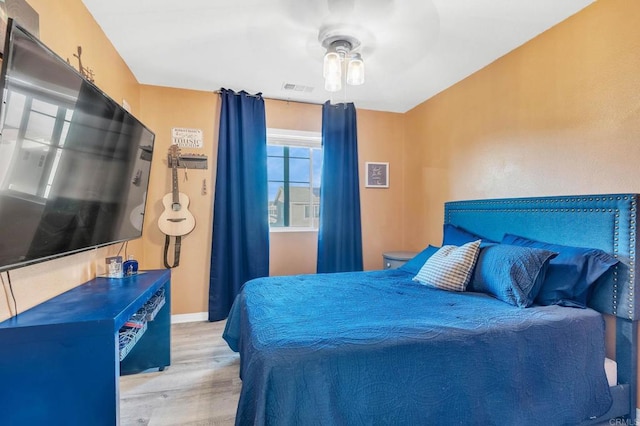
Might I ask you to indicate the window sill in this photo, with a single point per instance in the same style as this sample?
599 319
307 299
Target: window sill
291 229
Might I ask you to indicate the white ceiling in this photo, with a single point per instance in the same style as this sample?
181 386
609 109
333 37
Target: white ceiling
413 49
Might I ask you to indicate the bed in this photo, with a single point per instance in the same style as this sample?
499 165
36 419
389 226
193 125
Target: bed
377 347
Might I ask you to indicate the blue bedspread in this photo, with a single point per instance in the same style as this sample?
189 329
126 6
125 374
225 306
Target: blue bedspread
375 348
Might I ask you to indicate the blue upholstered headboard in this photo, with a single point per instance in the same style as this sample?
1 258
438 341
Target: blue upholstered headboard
607 222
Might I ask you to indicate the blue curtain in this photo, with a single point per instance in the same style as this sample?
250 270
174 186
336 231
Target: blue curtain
340 235
240 243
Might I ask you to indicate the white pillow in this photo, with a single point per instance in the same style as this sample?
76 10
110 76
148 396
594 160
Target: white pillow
450 267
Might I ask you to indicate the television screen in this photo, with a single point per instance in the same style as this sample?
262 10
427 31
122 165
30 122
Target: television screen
74 164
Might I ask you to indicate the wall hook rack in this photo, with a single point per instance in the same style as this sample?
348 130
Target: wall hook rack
191 161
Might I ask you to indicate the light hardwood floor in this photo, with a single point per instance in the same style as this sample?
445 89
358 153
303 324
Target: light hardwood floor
200 388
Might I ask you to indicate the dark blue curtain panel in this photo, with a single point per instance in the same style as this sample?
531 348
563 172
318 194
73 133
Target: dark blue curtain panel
340 235
240 242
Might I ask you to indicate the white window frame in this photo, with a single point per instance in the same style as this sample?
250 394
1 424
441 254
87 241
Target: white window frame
297 139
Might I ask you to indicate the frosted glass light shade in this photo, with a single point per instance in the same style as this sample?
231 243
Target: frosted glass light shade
355 71
333 82
332 64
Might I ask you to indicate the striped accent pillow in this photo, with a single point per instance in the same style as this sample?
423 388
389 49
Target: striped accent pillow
450 267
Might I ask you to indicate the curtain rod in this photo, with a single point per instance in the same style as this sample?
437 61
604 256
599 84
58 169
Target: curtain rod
278 99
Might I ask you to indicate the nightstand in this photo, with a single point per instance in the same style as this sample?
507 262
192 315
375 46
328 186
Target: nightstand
395 259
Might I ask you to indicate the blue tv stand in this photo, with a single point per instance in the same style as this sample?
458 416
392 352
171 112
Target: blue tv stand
60 361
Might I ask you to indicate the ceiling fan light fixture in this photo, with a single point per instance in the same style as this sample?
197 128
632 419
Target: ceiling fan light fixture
339 53
333 82
355 70
332 63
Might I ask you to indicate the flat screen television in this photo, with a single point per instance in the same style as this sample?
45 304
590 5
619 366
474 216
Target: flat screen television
74 164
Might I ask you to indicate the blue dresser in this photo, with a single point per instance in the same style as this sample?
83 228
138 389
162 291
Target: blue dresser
60 361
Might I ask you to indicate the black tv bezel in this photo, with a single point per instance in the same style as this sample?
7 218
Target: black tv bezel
5 57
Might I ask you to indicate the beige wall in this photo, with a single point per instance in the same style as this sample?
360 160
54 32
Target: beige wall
560 115
67 24
162 109
63 26
380 139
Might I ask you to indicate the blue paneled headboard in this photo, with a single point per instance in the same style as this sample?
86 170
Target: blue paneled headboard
607 222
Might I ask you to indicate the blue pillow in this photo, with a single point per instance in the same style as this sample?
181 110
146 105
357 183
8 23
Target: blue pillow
571 274
455 236
414 264
511 273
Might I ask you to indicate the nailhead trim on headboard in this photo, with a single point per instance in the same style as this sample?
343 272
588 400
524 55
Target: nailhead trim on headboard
627 307
632 257
616 233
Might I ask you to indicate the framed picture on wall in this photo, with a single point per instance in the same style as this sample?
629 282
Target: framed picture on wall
377 175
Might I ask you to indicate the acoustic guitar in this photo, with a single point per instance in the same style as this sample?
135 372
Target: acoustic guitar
176 220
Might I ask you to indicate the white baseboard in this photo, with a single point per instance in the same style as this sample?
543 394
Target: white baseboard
195 317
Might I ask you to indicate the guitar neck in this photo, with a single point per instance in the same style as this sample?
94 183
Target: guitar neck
174 174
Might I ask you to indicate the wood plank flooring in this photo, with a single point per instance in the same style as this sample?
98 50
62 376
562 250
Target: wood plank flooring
200 388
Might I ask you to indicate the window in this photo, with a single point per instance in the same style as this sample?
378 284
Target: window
316 211
294 164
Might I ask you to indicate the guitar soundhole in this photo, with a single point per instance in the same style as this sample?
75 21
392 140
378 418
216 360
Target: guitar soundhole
175 207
